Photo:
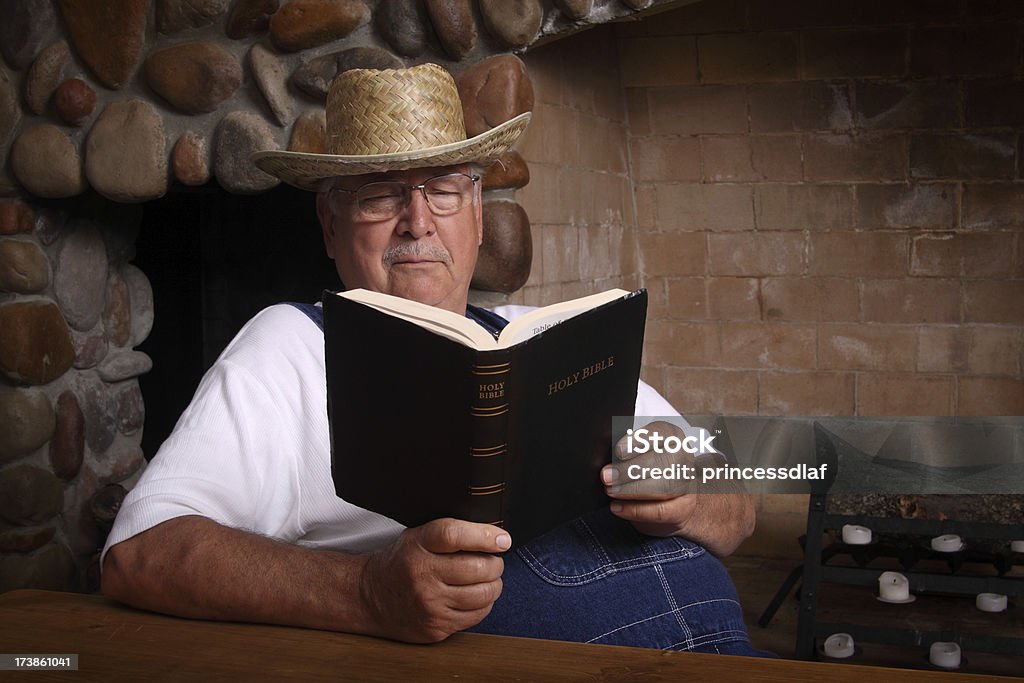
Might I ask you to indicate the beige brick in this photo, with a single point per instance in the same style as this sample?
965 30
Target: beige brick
843 346
913 104
545 69
712 392
946 52
802 106
907 206
974 350
993 206
686 207
733 298
803 207
691 110
687 344
638 113
552 136
755 254
646 207
673 254
811 298
768 345
969 155
595 257
884 394
994 301
658 61
910 300
748 57
731 158
657 297
806 393
973 255
868 156
602 144
994 103
990 396
665 157
543 198
858 254
687 298
560 249
854 53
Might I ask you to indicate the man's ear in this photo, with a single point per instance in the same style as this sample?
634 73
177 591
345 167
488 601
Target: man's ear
326 218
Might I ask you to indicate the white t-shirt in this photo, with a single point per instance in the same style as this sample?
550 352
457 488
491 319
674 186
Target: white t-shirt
252 450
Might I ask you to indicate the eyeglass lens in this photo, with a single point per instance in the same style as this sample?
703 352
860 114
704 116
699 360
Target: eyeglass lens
445 195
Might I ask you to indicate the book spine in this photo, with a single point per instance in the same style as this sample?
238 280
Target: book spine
489 410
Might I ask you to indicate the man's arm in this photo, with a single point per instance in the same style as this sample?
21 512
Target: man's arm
432 581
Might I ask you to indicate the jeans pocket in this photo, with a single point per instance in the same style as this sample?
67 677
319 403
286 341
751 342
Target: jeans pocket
598 545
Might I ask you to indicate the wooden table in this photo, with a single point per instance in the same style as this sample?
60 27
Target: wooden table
114 643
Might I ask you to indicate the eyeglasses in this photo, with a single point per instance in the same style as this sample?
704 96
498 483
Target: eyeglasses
379 201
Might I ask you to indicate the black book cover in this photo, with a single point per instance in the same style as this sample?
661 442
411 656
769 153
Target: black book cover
423 427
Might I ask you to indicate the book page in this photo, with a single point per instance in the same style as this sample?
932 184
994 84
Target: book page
438 320
533 323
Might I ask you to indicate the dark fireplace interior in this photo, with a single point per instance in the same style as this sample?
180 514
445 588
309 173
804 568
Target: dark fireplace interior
215 259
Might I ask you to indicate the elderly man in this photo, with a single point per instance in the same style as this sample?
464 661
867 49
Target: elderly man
236 516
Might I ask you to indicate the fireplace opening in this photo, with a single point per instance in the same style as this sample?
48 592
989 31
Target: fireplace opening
214 260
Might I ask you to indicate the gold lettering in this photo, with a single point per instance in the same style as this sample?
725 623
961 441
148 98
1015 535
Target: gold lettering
584 373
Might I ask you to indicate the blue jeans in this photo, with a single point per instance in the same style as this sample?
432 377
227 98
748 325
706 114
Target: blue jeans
597 580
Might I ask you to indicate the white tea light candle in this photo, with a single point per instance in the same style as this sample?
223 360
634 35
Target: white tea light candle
854 534
947 543
893 587
946 655
990 602
1017 546
839 646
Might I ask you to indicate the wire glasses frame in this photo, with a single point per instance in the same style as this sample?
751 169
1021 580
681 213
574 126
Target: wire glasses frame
380 200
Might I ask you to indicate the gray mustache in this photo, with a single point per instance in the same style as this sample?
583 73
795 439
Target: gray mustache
405 250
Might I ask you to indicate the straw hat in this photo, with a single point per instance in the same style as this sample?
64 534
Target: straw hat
391 120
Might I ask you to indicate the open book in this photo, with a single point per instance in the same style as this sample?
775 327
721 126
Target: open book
431 416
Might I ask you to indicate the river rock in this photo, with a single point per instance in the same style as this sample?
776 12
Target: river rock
514 23
25 541
67 448
315 76
194 77
74 101
249 16
100 410
26 25
45 75
108 36
46 162
575 9
190 159
238 135
494 91
90 347
35 343
141 294
637 4
16 217
23 267
271 77
10 109
117 315
119 463
28 420
506 254
303 24
80 276
126 153
177 15
309 134
131 409
122 365
453 23
404 25
29 495
508 172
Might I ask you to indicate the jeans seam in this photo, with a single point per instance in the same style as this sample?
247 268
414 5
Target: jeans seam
729 635
672 603
608 567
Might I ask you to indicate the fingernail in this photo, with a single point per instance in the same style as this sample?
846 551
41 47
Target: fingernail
615 507
504 541
609 474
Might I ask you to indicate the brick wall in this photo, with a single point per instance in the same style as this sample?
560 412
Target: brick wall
828 203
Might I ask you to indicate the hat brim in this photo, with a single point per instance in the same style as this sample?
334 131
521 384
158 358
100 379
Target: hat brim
308 171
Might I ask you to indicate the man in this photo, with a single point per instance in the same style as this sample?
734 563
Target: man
236 517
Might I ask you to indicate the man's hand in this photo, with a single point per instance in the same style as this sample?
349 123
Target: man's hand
717 518
435 579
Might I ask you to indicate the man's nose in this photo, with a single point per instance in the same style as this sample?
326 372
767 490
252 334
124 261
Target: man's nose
416 219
